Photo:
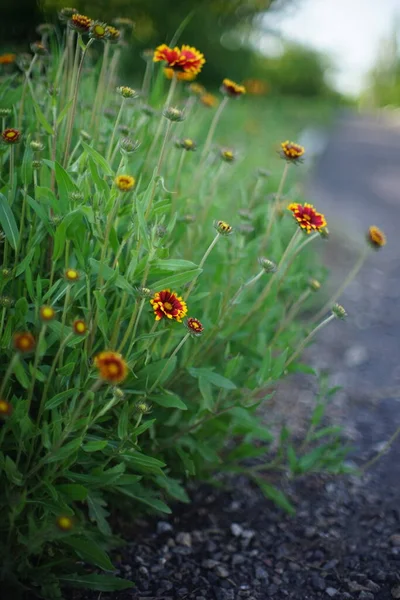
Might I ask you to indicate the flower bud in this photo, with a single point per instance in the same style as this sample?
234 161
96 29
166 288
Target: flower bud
128 146
268 265
173 114
339 311
127 92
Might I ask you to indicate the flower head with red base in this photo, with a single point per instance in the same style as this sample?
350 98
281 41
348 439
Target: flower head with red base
11 136
185 59
232 89
292 152
24 341
307 217
168 305
375 237
112 367
194 326
6 409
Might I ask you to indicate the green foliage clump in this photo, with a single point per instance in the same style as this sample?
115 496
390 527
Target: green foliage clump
114 390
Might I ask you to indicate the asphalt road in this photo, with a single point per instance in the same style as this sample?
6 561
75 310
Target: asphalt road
356 183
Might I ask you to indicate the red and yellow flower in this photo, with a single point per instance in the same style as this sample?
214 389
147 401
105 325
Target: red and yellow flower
124 182
7 59
80 23
194 326
112 367
307 217
11 136
232 89
197 89
187 58
180 75
71 275
24 341
167 304
375 237
209 100
292 152
79 326
6 409
47 313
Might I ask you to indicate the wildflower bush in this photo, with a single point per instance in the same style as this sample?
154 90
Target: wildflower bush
149 303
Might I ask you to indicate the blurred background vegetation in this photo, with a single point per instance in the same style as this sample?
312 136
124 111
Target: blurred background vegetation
226 31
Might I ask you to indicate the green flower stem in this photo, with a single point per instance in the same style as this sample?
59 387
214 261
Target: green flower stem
245 285
133 337
178 181
255 193
24 88
167 103
201 264
74 151
147 80
352 274
211 131
11 176
98 99
35 367
111 73
385 448
21 227
68 429
117 122
297 251
158 169
174 353
61 347
304 343
132 324
292 312
110 221
74 103
262 297
117 325
275 204
9 372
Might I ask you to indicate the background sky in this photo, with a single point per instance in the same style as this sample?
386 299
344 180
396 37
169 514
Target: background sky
349 30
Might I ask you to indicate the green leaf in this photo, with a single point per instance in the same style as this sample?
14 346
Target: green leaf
206 394
65 186
173 489
64 452
7 222
98 159
275 495
40 211
209 375
42 119
143 463
174 265
98 513
95 446
100 583
59 398
110 274
169 401
279 365
325 431
318 413
73 491
123 422
176 280
134 493
90 552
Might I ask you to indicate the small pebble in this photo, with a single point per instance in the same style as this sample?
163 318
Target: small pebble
184 539
332 592
222 572
236 530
